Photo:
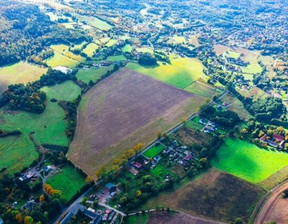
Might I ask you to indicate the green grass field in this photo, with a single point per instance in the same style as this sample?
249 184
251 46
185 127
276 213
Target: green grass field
139 219
252 68
63 57
247 161
194 123
154 151
69 181
162 171
111 43
127 48
67 91
116 58
90 49
181 73
16 152
21 72
49 127
202 89
91 74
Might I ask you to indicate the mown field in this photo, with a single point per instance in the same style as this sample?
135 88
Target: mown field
181 73
247 161
68 180
48 127
202 89
212 196
123 110
91 74
16 152
63 57
21 72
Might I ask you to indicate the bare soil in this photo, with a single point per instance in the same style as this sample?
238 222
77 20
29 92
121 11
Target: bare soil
178 218
123 110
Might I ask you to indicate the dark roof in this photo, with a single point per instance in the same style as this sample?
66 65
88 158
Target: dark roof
67 218
97 220
90 214
110 185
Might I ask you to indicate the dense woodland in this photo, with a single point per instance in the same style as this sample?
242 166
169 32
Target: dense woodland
29 32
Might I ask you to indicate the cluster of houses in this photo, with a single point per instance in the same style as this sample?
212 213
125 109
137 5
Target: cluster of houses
277 141
209 126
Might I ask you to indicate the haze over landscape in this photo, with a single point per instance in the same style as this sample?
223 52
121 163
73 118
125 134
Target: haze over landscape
143 112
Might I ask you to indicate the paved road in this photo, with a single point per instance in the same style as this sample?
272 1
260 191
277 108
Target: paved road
74 206
271 202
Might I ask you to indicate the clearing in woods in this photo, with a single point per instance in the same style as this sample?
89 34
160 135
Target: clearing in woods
123 110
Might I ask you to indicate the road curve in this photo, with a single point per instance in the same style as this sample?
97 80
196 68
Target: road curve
270 203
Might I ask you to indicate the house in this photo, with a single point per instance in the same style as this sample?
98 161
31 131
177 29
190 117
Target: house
111 187
63 69
138 165
29 205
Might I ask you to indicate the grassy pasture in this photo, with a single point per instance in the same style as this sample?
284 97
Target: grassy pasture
16 152
247 161
154 151
21 72
181 73
91 74
127 48
142 219
67 91
111 43
252 68
49 127
116 58
63 57
95 22
90 49
68 180
202 89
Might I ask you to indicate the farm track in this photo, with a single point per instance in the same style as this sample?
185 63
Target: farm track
270 203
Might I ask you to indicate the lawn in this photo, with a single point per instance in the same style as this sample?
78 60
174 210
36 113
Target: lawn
194 123
21 72
154 151
181 73
139 219
16 152
68 180
91 74
67 91
162 171
247 161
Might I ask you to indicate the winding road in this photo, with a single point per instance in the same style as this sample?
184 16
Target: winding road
270 203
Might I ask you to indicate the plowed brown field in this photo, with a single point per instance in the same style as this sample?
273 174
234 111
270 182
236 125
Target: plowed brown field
123 110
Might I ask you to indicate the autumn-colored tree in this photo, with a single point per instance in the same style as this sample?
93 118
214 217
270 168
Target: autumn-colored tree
28 220
139 193
42 198
19 218
89 180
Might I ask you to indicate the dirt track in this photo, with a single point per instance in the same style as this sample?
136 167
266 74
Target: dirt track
179 218
275 208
